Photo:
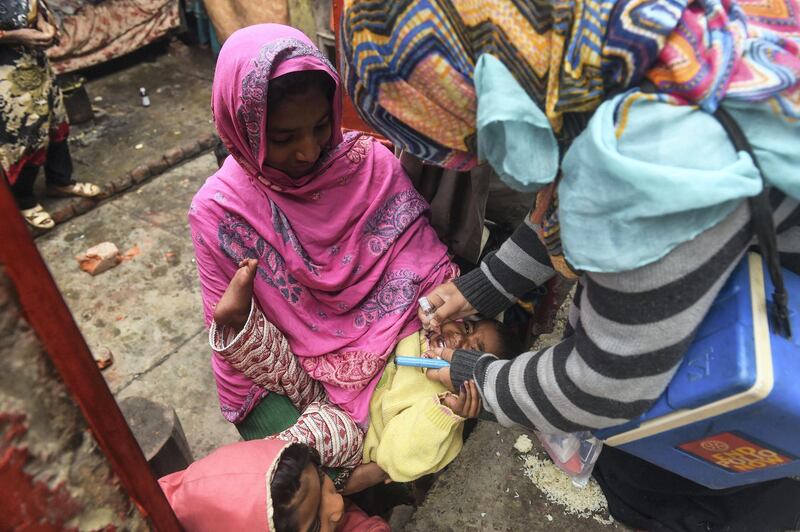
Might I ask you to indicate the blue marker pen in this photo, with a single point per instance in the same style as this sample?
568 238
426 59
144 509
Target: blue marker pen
417 362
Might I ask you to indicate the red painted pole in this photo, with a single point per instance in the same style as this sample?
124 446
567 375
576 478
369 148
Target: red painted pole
50 317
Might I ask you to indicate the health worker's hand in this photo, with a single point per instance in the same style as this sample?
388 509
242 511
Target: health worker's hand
449 304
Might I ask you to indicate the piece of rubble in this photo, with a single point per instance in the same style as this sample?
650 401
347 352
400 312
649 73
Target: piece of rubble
99 258
104 358
128 255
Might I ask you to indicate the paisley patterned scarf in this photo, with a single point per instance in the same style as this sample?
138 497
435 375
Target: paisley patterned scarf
343 252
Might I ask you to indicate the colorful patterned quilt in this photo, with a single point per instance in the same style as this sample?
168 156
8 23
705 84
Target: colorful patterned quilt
93 33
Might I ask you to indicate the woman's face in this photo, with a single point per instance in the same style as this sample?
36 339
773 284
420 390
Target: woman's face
298 129
320 508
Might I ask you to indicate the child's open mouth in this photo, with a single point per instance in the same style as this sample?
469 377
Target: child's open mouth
436 341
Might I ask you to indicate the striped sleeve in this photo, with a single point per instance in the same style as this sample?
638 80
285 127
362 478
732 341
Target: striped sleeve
630 331
520 265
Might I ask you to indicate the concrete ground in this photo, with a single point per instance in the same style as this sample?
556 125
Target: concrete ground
124 134
485 490
147 310
126 143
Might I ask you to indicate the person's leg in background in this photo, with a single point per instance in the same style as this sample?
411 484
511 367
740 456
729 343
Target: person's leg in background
58 172
29 207
23 187
58 165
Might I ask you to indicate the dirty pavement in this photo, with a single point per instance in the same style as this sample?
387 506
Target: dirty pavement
143 317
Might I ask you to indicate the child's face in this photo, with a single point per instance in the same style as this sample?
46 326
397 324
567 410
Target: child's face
480 335
298 129
320 507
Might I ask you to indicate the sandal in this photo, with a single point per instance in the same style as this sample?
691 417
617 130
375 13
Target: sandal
38 217
83 190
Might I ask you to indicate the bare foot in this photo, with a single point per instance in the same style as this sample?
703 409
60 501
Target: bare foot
234 305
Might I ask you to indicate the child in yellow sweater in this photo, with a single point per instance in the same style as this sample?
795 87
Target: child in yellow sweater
415 425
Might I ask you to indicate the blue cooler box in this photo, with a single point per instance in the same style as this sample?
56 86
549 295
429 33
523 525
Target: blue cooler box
731 414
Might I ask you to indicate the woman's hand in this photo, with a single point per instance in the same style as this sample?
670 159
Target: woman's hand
365 476
233 308
29 37
441 376
467 403
43 25
449 304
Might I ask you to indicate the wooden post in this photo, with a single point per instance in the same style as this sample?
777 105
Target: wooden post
55 327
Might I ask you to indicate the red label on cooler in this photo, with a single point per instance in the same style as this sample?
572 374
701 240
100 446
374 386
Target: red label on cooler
734 453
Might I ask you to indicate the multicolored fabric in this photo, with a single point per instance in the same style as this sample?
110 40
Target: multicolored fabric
409 65
329 430
700 52
343 252
32 112
95 32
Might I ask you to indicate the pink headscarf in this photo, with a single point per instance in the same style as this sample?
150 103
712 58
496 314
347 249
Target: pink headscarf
228 489
343 252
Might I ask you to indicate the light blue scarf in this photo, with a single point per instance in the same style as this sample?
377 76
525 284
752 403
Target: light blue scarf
514 135
626 202
672 173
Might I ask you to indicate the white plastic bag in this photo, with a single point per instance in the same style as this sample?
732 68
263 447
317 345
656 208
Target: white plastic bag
574 454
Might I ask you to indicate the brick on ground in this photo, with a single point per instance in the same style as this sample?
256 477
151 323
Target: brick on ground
98 259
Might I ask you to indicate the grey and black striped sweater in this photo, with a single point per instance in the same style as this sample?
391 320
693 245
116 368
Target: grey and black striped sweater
628 331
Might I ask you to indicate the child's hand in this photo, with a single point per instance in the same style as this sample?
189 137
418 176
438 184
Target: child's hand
365 476
440 375
233 308
467 403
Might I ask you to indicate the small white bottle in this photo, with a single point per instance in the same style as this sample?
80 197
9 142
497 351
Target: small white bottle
145 97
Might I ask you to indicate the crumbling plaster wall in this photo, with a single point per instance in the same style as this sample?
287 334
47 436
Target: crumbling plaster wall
53 476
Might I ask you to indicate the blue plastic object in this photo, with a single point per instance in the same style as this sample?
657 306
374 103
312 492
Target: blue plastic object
418 362
731 414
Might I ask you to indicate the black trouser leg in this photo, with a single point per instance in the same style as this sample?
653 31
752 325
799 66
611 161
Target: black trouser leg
644 496
23 187
58 168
